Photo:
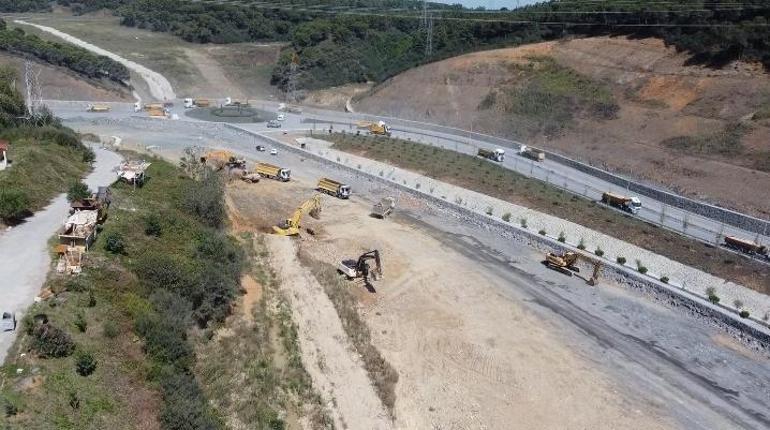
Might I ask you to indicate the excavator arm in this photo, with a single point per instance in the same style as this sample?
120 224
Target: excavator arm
292 225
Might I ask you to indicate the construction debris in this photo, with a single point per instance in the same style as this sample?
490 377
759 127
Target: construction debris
133 172
384 207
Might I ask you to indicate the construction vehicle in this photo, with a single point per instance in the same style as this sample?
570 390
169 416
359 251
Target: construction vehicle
377 128
191 103
746 246
229 101
532 153
333 188
273 172
291 226
8 322
359 268
157 112
98 108
283 107
628 204
384 207
153 106
220 159
492 154
566 263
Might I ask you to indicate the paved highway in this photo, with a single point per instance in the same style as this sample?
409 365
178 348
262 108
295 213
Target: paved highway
693 225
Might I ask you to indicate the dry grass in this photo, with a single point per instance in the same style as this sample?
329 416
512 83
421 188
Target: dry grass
383 375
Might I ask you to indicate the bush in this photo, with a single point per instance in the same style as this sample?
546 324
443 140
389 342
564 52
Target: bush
507 217
152 225
206 200
50 341
10 408
599 252
88 155
78 191
581 244
110 329
115 244
621 260
562 238
541 232
664 279
640 267
91 299
523 223
713 298
80 322
744 313
489 210
85 363
14 204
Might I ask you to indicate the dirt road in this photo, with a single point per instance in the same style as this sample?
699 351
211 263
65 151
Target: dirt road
24 250
159 86
327 354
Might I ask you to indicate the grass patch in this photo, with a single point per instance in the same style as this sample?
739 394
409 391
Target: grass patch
724 142
491 179
382 374
545 97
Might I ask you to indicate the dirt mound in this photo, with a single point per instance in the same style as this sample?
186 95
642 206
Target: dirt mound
656 96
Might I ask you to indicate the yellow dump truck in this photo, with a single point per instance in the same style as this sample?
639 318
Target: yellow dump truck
157 112
98 108
378 128
273 172
532 153
153 106
334 188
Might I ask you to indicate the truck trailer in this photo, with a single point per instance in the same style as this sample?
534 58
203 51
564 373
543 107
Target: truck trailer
532 153
492 154
628 204
746 246
334 188
273 172
98 108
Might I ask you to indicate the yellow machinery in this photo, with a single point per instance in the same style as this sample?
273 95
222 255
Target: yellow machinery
333 188
378 128
566 263
273 172
291 226
220 159
153 106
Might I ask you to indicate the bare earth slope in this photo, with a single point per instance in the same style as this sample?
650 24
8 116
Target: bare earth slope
659 96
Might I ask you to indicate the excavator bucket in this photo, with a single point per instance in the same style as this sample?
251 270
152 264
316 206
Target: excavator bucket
315 213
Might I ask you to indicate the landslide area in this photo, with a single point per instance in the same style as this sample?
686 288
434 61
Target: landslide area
634 106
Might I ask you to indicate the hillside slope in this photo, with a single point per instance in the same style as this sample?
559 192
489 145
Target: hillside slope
698 130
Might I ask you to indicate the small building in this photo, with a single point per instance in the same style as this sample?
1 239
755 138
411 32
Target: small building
4 146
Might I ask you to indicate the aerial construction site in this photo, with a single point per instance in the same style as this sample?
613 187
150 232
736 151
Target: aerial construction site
237 226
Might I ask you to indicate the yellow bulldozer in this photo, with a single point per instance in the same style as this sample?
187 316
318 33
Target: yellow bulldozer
291 226
567 263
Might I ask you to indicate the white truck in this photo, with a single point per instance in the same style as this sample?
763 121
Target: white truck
492 154
532 153
628 204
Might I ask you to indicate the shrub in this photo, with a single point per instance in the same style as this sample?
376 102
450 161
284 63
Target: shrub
110 329
78 191
14 204
640 267
713 298
621 260
542 232
80 322
599 252
152 225
10 408
581 244
744 313
205 200
507 217
51 341
417 186
562 238
664 279
91 299
88 155
766 316
523 223
115 243
85 363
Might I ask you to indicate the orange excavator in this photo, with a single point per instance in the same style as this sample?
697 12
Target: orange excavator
567 263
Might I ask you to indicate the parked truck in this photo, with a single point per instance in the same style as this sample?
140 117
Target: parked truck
532 153
191 103
492 154
377 128
384 207
334 188
747 247
273 172
229 101
628 204
98 108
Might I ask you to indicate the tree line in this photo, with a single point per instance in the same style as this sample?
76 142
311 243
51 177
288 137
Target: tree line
77 59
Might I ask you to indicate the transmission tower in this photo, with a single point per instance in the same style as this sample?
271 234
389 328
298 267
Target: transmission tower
34 90
429 37
291 81
424 20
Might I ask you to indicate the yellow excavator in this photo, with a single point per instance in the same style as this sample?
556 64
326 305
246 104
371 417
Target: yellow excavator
291 226
566 263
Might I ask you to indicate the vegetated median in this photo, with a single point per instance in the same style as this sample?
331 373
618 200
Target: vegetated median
491 179
46 158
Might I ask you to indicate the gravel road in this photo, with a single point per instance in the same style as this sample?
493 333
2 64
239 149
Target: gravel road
24 250
160 87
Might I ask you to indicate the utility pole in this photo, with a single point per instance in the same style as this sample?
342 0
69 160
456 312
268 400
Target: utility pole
291 81
429 44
